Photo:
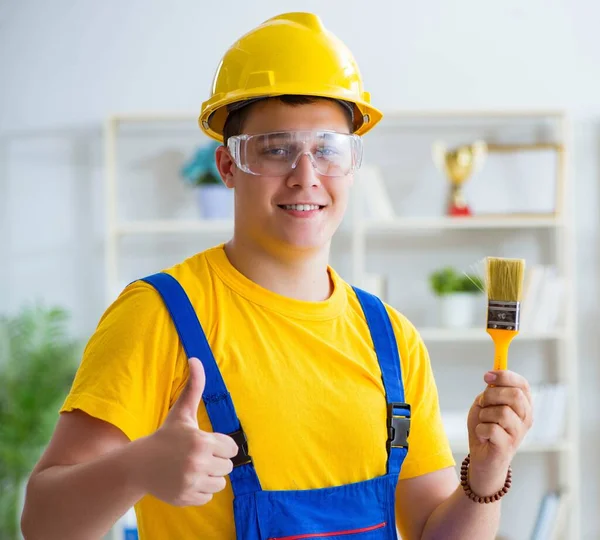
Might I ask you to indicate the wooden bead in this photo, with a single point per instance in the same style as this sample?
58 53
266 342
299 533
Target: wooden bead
464 482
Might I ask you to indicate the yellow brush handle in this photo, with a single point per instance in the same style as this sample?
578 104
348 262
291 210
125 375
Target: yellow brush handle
502 339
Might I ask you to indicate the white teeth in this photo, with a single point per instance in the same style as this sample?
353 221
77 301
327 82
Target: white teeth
301 207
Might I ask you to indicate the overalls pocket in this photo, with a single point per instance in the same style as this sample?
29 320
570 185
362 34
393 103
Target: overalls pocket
361 511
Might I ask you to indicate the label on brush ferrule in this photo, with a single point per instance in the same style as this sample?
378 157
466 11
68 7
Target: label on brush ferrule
503 315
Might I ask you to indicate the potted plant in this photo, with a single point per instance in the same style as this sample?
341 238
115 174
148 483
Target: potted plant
215 200
38 361
458 295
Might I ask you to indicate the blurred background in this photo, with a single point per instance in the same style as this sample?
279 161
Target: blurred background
103 179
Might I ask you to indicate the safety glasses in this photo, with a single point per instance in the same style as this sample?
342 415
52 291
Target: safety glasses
278 153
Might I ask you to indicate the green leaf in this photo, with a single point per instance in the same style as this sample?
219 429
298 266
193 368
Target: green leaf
447 281
38 361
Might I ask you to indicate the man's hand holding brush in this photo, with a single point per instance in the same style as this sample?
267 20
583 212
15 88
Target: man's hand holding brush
498 421
503 413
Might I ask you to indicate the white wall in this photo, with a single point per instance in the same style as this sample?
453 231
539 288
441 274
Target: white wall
66 65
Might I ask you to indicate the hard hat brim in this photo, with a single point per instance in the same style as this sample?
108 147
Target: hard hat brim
214 111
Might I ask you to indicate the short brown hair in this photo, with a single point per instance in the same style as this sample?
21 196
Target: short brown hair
235 119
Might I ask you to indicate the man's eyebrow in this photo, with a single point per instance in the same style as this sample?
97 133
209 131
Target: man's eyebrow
274 137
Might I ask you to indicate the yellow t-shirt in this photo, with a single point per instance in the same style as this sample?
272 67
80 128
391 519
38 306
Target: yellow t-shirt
303 377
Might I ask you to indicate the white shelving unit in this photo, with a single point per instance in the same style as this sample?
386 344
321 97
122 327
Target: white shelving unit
560 344
560 459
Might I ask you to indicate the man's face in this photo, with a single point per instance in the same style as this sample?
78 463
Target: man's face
265 205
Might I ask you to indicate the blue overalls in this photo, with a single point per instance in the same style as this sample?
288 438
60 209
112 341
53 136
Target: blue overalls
362 510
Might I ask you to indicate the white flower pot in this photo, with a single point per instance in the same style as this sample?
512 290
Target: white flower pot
458 310
215 201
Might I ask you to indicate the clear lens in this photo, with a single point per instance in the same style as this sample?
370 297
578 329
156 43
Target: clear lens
276 154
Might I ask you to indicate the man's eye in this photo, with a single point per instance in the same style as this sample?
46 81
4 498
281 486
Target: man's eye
276 152
326 151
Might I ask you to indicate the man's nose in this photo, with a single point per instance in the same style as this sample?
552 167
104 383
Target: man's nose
304 174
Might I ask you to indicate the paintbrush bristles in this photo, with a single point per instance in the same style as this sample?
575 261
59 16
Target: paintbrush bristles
504 279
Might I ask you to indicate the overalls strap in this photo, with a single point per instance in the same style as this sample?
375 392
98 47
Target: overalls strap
216 397
386 348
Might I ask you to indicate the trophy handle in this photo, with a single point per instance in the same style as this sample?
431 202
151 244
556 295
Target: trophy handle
438 153
479 150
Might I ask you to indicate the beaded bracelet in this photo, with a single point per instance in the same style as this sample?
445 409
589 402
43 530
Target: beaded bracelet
464 482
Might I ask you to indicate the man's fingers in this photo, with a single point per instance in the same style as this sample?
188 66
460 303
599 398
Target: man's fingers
511 397
510 379
212 484
195 499
493 433
502 415
224 446
186 406
221 467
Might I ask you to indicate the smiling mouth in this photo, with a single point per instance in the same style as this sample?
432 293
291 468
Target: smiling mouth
301 207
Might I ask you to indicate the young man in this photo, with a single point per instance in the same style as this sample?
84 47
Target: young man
292 419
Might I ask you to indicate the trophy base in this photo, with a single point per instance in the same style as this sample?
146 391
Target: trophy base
455 210
456 203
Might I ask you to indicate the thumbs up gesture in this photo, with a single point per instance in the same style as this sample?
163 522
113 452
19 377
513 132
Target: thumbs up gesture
186 465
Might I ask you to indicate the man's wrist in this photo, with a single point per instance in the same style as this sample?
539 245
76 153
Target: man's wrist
486 482
136 458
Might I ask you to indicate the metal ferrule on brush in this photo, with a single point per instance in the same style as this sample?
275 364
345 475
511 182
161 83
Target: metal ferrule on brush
503 315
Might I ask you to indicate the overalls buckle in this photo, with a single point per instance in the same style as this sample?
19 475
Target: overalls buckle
398 423
242 458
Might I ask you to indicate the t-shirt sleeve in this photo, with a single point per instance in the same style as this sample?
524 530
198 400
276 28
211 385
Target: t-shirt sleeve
428 446
133 365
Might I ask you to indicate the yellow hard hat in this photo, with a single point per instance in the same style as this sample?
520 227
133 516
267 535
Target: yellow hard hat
290 54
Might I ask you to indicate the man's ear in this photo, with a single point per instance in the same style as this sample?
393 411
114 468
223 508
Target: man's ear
226 166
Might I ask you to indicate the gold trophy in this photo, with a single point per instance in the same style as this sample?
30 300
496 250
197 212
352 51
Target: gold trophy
458 164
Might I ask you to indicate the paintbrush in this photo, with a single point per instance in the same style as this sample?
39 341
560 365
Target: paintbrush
504 284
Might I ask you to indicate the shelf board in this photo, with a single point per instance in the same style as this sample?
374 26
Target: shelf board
527 448
174 226
448 335
400 225
186 226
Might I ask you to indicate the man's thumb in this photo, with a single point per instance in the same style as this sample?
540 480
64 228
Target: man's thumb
188 402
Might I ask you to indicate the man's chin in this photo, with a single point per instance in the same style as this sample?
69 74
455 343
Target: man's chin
309 243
